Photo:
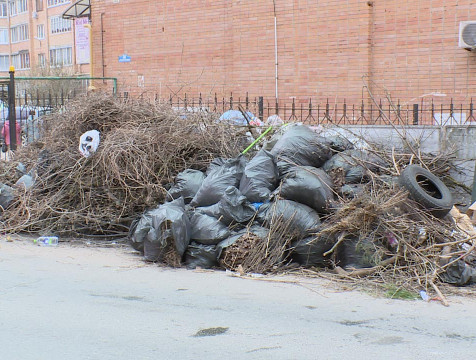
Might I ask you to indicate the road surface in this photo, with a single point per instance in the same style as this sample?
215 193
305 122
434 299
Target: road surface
77 302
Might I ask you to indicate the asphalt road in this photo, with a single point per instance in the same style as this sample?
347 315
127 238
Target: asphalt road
94 303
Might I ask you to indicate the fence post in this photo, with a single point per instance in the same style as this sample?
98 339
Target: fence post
415 114
260 108
11 110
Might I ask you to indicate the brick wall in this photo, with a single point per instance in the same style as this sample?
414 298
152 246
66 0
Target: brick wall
327 49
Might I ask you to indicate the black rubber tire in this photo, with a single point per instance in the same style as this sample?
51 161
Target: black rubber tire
427 190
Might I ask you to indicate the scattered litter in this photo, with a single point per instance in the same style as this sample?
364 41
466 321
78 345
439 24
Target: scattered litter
46 241
89 142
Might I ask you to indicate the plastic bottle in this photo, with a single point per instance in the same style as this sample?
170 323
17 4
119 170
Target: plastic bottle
47 241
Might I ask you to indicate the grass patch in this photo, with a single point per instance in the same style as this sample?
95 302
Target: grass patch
395 292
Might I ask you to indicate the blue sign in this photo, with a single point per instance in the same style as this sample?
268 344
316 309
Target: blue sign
124 58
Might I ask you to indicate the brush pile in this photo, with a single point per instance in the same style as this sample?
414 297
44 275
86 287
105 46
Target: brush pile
143 147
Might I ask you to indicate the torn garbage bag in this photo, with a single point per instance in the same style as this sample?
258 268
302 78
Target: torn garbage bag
301 146
299 219
201 256
165 225
354 164
186 185
233 206
218 180
257 230
308 185
206 229
260 177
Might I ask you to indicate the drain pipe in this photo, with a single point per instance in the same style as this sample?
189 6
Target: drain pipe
275 52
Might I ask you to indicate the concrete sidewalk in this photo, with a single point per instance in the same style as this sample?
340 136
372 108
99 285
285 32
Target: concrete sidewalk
71 302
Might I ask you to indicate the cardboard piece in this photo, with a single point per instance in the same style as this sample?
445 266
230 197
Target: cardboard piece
472 213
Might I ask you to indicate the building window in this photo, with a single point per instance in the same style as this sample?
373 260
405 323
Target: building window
3 9
57 2
3 36
39 5
20 33
18 6
4 62
41 60
61 56
40 31
21 61
60 25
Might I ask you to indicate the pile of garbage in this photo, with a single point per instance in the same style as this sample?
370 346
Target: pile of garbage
313 200
182 190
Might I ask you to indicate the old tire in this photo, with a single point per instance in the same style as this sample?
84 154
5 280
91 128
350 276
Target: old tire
426 189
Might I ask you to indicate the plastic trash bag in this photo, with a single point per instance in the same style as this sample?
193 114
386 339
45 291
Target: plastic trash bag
202 256
310 251
357 254
459 273
235 117
257 230
218 180
89 142
6 196
260 177
308 185
300 219
186 185
274 120
26 181
232 207
167 223
206 229
355 164
301 146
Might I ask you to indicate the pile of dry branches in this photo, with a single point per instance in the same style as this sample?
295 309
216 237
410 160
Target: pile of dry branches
143 147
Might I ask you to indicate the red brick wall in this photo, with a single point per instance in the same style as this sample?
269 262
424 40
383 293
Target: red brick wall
326 49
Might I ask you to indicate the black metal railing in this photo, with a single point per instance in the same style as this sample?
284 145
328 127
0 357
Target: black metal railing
381 112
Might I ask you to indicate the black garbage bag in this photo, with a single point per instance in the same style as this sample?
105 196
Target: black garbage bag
257 230
160 227
354 164
309 186
301 146
300 219
233 206
357 254
216 163
202 256
459 274
339 143
186 185
218 180
310 251
6 196
350 191
260 177
206 229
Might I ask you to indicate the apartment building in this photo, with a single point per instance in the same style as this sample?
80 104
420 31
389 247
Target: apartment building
33 35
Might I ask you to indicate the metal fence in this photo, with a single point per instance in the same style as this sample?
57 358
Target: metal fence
309 112
32 98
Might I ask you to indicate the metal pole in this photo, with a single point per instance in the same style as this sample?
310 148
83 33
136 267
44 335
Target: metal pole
11 110
473 193
91 62
275 51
